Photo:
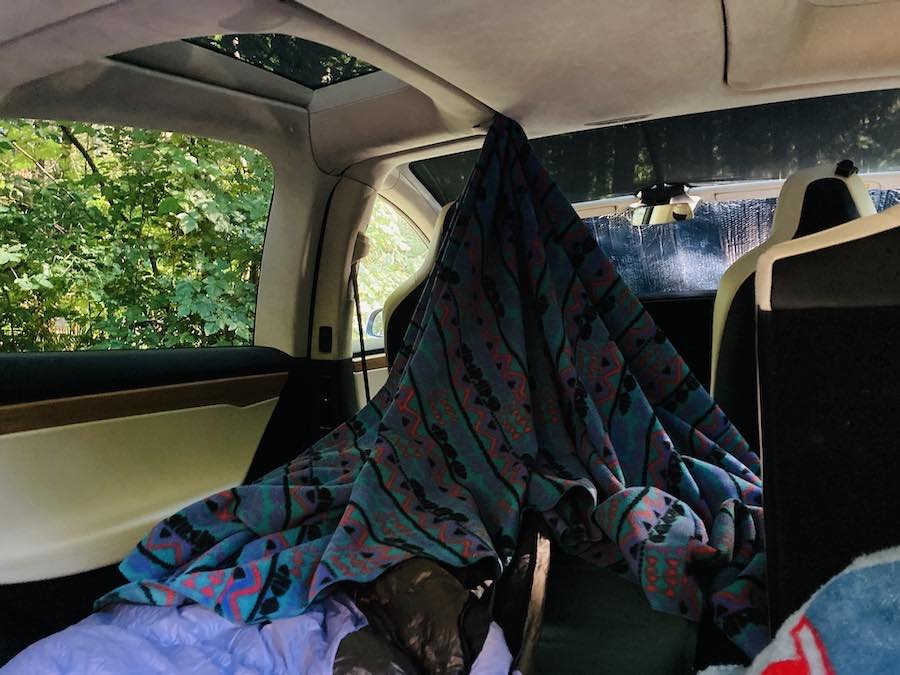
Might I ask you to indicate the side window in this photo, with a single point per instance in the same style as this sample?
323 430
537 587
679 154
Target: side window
120 238
397 250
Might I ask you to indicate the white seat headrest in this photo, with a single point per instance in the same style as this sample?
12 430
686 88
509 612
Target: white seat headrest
793 193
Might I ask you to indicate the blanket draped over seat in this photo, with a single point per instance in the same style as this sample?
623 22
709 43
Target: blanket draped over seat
531 378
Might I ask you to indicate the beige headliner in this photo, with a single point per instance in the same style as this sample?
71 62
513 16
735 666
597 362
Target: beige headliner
555 67
559 66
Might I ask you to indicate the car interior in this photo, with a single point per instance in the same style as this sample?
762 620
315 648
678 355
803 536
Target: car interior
739 170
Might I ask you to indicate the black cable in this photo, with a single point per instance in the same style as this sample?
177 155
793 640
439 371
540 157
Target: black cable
359 324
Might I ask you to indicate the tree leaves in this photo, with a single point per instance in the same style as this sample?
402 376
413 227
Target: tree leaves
396 250
169 205
160 247
11 254
308 63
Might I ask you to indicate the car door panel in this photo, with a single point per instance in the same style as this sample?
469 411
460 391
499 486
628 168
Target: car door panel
98 446
82 495
376 372
39 376
229 392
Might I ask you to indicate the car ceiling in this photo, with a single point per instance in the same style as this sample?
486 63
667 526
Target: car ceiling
555 67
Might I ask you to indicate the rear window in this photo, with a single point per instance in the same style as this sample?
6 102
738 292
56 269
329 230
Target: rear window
751 143
113 237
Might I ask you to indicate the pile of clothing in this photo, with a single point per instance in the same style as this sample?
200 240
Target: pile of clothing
417 617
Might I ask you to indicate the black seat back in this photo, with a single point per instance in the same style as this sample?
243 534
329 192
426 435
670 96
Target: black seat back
829 373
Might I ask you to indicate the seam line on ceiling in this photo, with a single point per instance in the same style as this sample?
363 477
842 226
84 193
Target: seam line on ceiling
727 55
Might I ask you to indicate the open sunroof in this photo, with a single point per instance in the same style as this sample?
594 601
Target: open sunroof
308 63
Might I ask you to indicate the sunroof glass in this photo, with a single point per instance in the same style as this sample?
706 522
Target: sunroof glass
309 63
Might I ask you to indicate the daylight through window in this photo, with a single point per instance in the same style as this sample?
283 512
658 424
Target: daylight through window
121 238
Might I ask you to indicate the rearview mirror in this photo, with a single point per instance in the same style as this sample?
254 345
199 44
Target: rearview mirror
663 202
661 213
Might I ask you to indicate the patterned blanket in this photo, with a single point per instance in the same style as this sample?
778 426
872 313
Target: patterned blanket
531 378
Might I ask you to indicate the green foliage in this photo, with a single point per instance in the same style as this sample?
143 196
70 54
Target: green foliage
396 251
115 237
308 63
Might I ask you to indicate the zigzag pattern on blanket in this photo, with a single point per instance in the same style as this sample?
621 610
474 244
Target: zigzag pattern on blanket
531 378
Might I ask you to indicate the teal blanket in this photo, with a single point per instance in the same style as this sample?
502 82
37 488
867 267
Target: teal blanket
532 378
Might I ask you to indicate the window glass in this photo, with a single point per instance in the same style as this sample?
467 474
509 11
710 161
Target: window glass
114 237
309 63
396 250
690 256
757 142
684 256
